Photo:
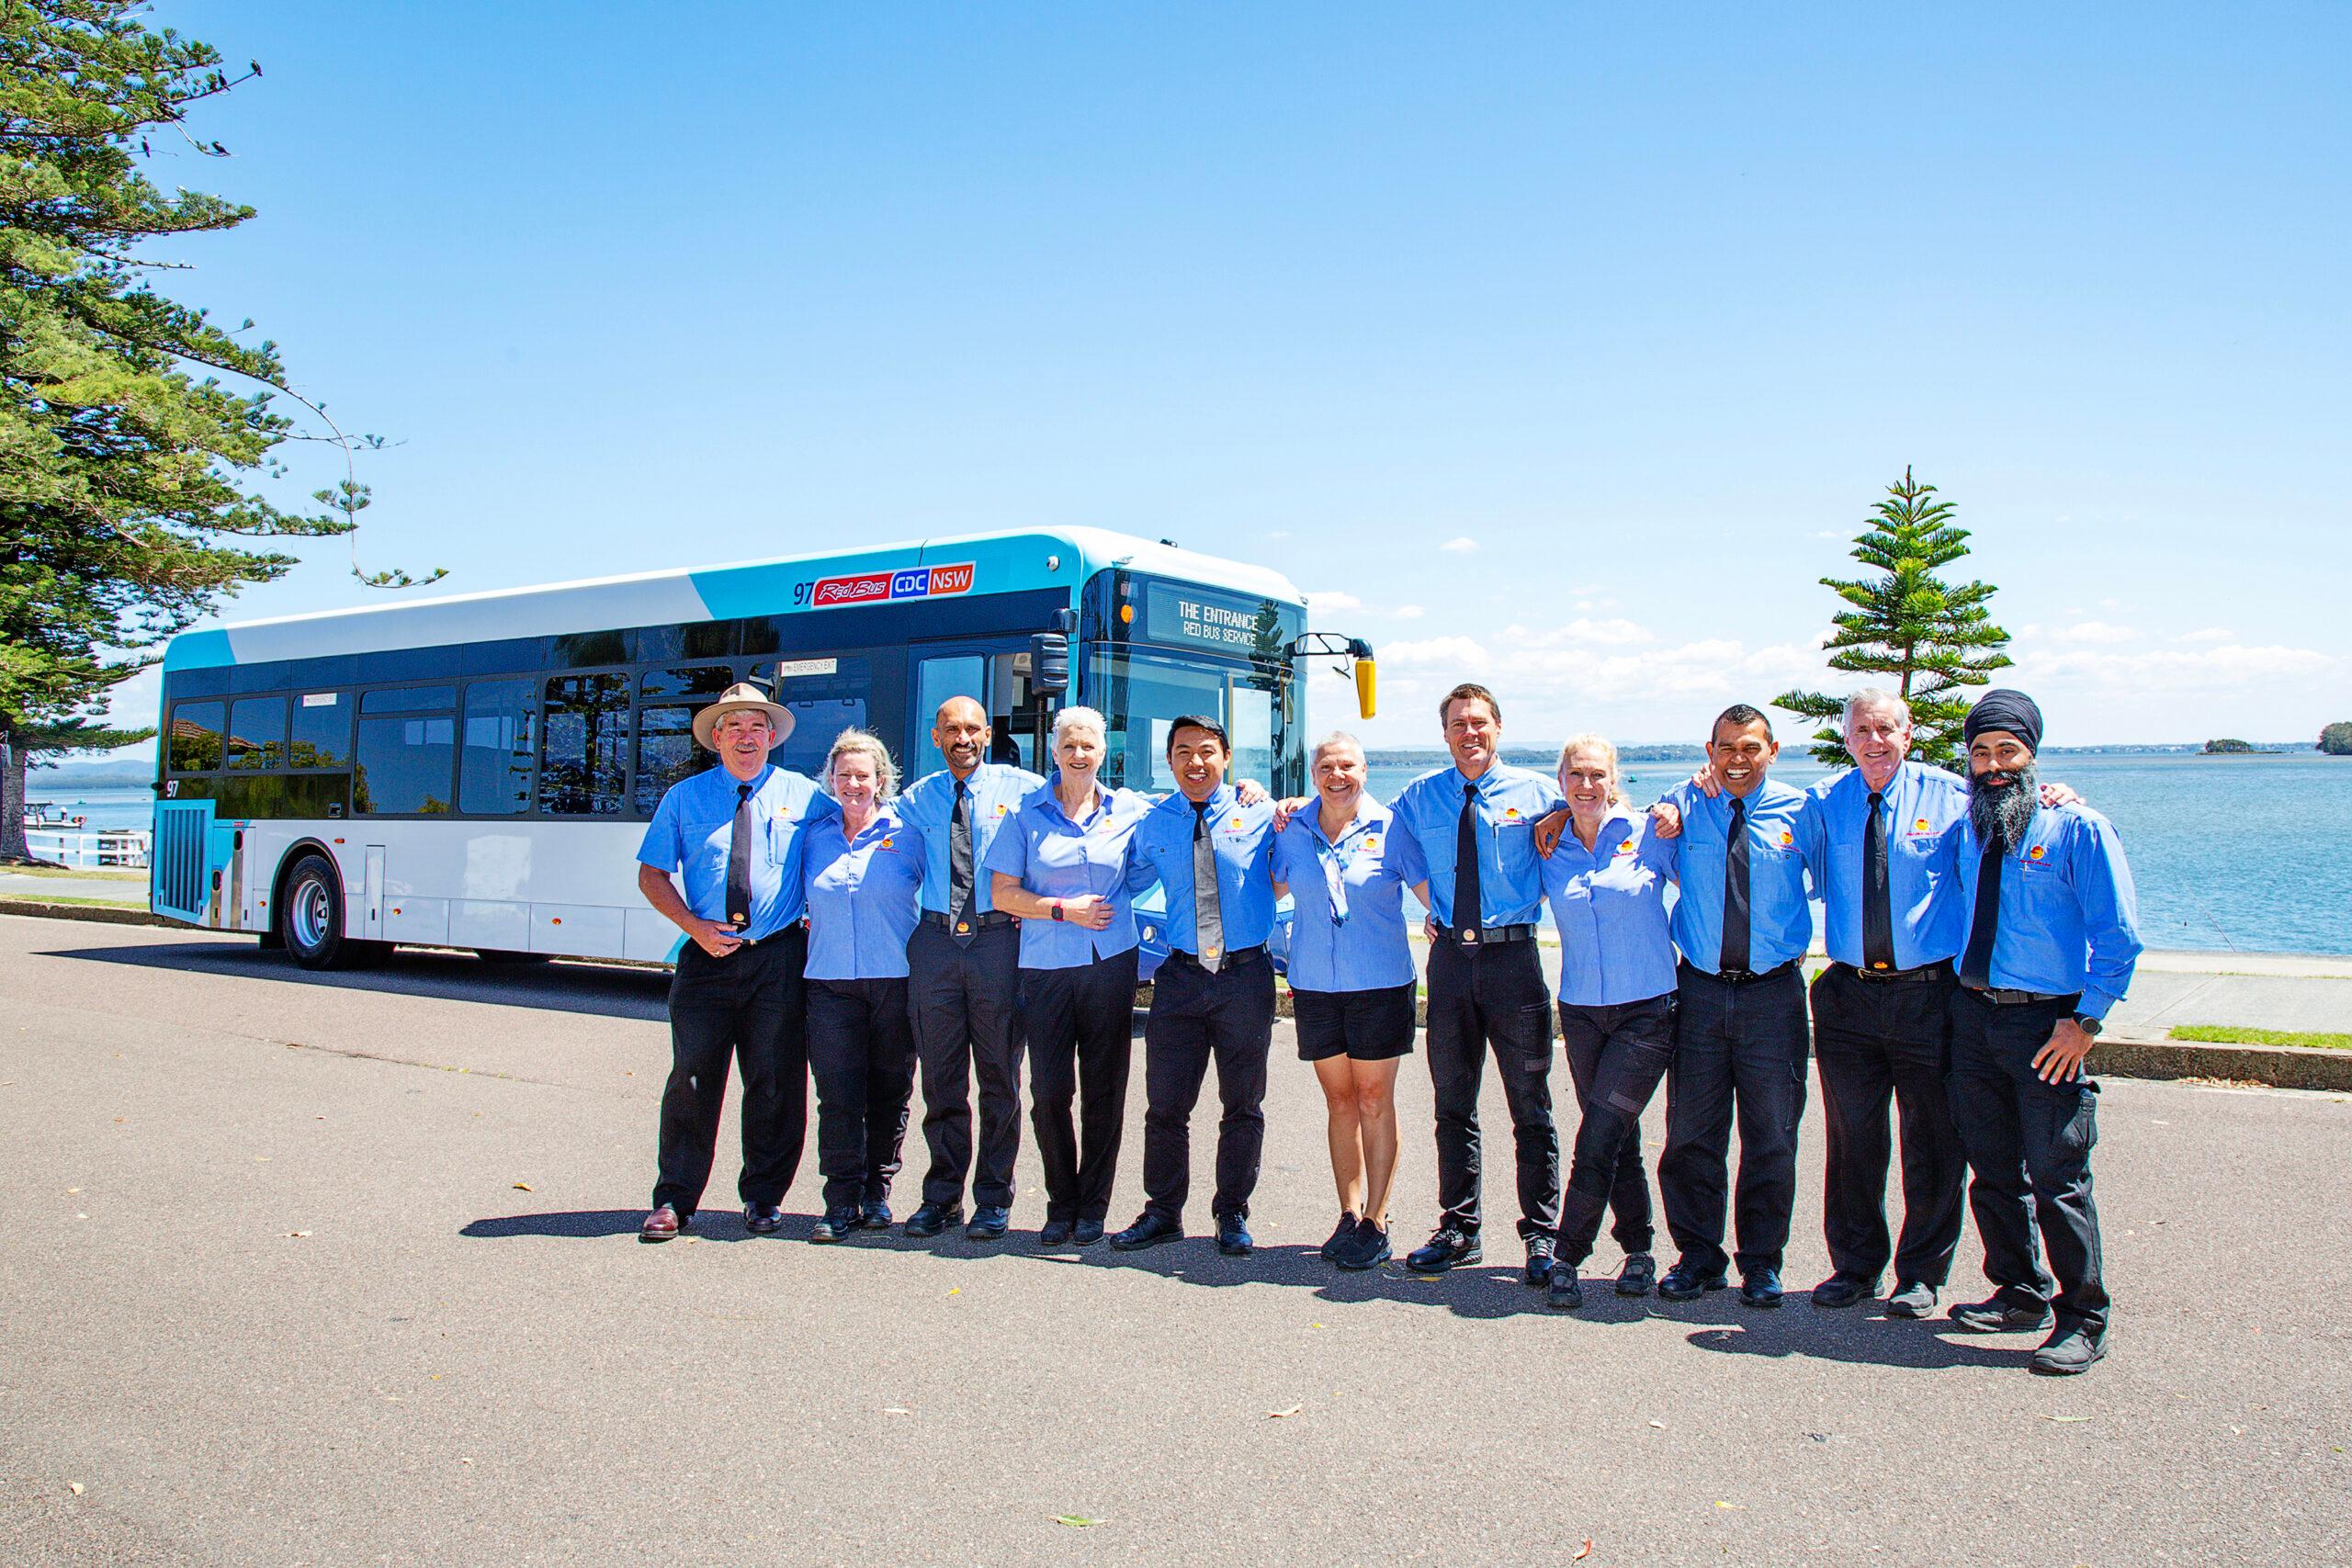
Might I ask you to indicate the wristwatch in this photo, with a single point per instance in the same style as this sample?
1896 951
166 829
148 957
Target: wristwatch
2088 1024
1057 908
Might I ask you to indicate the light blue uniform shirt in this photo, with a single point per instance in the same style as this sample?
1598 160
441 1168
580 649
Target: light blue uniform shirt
1347 930
1609 902
1056 857
1241 841
1917 805
996 790
1779 921
2070 920
860 897
1510 874
692 831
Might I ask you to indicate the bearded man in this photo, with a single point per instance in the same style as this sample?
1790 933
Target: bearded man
2053 936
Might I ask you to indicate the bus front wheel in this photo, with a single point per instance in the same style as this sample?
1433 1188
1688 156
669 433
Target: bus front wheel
310 920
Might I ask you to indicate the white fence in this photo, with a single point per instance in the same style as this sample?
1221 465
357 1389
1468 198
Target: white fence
126 849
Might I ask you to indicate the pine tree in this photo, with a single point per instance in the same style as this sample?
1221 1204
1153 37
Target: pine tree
1927 639
127 467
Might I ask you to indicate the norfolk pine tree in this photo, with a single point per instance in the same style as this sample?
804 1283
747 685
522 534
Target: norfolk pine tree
127 470
1926 639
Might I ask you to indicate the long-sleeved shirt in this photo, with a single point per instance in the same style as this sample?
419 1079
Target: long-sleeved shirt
860 897
1609 902
1347 930
1779 921
692 832
1919 805
1057 856
996 791
1241 841
1425 837
2069 921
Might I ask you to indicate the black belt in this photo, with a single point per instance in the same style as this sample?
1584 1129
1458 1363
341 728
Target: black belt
988 922
1488 936
1939 970
1740 976
1233 959
2006 998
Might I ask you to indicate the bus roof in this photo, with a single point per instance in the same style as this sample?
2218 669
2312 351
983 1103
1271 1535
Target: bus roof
989 563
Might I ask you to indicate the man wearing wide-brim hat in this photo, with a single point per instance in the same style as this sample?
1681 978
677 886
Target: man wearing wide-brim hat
733 836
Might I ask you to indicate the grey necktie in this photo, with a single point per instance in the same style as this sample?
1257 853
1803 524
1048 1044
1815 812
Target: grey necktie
1208 921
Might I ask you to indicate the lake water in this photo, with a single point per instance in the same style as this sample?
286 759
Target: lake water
2252 854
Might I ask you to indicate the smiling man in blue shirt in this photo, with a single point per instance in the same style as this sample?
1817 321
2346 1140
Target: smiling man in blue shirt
1214 996
964 977
2052 938
1468 831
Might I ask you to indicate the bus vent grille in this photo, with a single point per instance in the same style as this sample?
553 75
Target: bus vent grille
179 858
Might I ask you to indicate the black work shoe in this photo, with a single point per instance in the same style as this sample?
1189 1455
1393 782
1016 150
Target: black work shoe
762 1219
989 1221
1567 1290
1368 1248
1760 1288
1539 1260
931 1218
1639 1275
1447 1248
1088 1231
1911 1299
1233 1235
1842 1290
2070 1350
1998 1317
1055 1234
835 1225
1684 1283
874 1216
1342 1234
1149 1230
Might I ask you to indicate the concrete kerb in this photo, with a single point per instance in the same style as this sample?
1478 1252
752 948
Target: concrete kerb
97 914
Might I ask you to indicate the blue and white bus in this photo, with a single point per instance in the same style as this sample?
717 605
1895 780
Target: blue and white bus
475 772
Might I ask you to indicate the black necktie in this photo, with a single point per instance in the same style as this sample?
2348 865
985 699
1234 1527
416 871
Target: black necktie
1469 909
1878 906
959 864
1735 957
739 862
1976 963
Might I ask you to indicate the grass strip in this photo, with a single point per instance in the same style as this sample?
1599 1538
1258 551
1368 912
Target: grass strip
2230 1035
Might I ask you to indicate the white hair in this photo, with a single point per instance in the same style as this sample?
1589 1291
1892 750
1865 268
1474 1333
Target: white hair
1075 718
1874 697
859 742
1336 738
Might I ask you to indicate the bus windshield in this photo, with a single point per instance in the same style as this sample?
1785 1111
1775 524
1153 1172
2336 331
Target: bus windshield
1143 695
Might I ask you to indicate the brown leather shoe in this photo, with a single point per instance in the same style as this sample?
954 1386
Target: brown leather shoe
662 1224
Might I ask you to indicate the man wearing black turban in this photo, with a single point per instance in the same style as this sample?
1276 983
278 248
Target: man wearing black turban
2053 936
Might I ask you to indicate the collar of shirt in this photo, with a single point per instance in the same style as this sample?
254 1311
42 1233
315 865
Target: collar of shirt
1371 817
1050 799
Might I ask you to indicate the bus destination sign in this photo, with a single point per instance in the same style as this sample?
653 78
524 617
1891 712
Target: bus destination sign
1191 615
881 587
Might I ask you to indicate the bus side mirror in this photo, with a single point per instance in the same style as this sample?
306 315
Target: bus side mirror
1049 663
1367 682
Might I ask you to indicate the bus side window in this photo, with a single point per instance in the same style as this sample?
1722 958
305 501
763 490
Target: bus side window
494 760
666 749
830 698
586 734
321 730
407 751
256 738
936 680
196 737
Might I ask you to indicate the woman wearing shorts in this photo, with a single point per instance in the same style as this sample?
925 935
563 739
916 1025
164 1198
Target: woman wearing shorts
1352 988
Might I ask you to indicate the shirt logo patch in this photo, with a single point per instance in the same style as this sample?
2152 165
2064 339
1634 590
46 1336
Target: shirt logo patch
1920 826
1371 843
1234 825
1002 809
1627 848
887 843
1510 813
1787 838
2034 853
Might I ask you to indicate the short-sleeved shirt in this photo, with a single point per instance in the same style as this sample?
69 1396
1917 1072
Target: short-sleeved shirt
860 897
1919 803
692 832
1242 843
1609 902
1057 856
1510 874
1347 928
2069 917
1779 919
995 790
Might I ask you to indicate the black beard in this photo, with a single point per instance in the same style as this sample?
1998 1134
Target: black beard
2001 813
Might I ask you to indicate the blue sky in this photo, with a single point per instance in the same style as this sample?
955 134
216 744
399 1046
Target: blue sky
1556 348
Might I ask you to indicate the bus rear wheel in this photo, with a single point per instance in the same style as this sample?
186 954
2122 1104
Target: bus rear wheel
310 920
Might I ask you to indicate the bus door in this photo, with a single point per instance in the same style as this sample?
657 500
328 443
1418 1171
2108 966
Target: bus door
995 675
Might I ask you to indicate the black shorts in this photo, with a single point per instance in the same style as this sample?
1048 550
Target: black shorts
1369 1026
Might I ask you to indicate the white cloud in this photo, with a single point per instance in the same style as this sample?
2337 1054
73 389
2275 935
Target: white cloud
1409 612
1461 546
2177 669
1279 533
1829 534
2208 634
1432 652
1330 601
2099 632
1614 633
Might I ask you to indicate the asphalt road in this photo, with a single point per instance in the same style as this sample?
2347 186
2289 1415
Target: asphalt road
343 1271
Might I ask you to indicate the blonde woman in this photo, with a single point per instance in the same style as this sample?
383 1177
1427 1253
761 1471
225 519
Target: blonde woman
1605 883
861 872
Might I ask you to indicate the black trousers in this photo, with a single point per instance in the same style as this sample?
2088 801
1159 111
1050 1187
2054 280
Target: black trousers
1196 1016
862 1054
1082 1034
1481 997
1878 1044
749 1005
967 1008
1739 1052
2029 1143
1616 1054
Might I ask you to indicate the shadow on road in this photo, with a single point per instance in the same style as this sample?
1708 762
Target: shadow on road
596 988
